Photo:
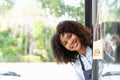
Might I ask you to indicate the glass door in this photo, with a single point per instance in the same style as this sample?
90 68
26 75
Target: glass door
106 31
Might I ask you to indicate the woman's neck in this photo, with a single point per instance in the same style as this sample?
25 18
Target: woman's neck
82 50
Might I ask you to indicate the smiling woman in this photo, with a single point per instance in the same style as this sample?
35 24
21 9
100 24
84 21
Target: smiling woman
71 44
70 41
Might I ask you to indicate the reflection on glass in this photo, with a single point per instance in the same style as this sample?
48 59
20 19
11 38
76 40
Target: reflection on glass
108 25
111 42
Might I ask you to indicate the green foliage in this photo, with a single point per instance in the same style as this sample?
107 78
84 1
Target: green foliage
6 5
58 9
10 3
47 39
31 58
43 37
110 27
112 9
38 33
10 51
8 46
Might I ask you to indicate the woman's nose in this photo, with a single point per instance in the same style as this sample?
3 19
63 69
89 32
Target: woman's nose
70 41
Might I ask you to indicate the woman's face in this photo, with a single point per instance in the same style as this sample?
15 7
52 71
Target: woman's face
70 41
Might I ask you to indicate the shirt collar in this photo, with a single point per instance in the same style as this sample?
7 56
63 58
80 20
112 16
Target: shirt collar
88 52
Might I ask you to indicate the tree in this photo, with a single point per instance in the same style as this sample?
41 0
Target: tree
58 8
6 6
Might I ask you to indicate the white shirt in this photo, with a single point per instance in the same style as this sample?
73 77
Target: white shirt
87 62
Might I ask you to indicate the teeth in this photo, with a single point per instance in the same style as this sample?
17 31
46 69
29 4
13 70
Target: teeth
74 44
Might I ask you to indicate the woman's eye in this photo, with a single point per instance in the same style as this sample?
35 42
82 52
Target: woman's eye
69 36
64 43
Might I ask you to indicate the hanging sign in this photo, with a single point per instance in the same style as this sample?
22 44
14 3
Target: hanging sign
98 49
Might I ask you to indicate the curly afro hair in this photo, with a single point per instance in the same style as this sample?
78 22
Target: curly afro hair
60 53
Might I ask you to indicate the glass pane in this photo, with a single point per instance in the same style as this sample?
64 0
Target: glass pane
108 21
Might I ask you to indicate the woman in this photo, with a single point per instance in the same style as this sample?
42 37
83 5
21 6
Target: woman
116 42
71 44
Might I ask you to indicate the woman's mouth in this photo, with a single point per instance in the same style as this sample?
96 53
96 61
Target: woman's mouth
74 44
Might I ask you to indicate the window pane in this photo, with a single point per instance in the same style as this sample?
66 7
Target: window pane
108 21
